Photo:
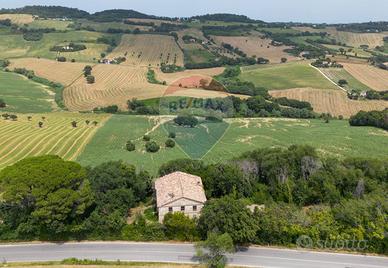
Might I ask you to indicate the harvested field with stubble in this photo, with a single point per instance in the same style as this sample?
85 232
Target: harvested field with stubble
330 101
18 18
373 77
114 84
349 38
256 46
61 72
23 138
148 50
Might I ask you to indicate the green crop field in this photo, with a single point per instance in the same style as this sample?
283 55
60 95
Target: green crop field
109 143
286 76
197 142
222 142
24 96
14 46
23 138
336 74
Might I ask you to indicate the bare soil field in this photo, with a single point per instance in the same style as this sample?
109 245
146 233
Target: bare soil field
334 102
172 77
373 77
148 50
349 38
256 46
61 72
18 18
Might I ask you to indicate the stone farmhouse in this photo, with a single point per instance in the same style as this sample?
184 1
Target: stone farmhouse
179 192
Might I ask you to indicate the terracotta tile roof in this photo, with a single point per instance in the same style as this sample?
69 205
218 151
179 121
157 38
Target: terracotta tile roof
179 185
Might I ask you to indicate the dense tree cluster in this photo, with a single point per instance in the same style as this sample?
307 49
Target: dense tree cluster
299 193
373 118
186 120
48 12
48 198
71 47
224 17
377 95
303 194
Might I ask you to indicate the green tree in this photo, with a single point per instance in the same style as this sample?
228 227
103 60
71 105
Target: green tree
90 79
180 227
87 70
117 186
186 120
224 179
44 195
2 103
212 251
170 143
228 215
130 146
152 147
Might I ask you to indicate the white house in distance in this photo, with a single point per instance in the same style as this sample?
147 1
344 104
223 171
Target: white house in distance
179 192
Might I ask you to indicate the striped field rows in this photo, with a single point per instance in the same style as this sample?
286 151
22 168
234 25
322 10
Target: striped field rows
23 138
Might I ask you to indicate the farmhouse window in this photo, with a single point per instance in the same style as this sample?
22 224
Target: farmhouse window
194 208
182 208
170 209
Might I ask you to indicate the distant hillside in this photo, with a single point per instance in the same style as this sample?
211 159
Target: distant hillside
48 11
226 18
118 15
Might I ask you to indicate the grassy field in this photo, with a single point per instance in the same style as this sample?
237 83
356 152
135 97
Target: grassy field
56 24
336 74
23 138
109 143
336 139
286 76
14 46
24 96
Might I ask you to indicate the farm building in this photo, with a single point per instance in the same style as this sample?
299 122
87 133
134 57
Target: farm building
179 192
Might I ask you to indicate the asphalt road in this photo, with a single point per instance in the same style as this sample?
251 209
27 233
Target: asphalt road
184 253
